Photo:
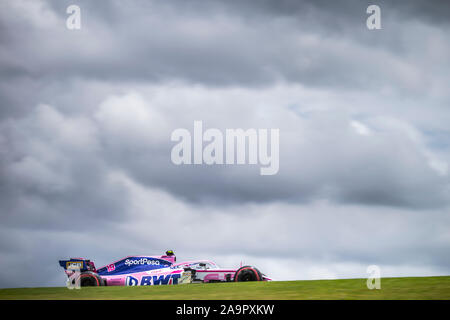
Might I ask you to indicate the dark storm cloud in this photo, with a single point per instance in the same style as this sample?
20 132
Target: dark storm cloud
322 155
215 43
52 177
86 118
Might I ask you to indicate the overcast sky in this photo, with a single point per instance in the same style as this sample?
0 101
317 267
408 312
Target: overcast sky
86 118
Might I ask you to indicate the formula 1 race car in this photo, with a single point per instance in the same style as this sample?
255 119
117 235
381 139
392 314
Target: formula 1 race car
153 270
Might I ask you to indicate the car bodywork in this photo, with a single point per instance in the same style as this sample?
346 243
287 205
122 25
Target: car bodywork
155 270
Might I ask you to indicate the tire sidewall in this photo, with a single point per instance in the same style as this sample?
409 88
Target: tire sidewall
90 279
247 271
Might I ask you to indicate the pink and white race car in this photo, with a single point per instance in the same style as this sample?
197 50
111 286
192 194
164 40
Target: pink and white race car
154 270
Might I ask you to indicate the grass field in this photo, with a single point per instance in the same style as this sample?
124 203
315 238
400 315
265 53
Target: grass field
391 288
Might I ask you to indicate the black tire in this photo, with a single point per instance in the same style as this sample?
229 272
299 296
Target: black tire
90 279
247 273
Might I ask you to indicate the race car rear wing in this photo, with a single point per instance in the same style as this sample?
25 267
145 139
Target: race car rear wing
83 264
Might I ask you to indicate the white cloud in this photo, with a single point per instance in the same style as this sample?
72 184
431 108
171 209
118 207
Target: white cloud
360 128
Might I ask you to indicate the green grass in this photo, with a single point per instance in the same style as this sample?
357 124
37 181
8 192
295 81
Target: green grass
391 288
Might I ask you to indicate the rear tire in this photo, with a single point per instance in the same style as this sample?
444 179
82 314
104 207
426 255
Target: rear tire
90 279
247 273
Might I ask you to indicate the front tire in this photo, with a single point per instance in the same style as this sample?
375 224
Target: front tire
247 273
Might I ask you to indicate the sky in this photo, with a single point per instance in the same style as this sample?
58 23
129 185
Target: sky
86 118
